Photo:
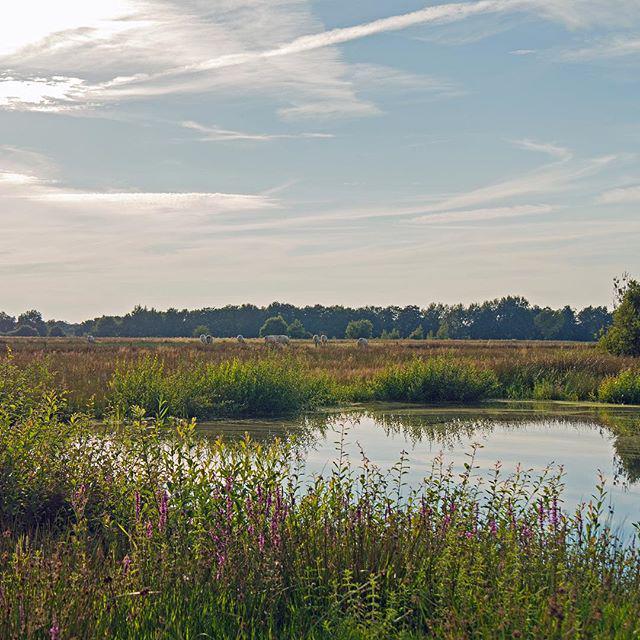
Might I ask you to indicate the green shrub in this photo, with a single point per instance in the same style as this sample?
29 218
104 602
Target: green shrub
621 389
434 380
23 389
230 388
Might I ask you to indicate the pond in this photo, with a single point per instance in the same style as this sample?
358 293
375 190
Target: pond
583 439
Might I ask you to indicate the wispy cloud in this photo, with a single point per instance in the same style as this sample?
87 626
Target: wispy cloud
616 46
218 134
480 215
554 150
622 195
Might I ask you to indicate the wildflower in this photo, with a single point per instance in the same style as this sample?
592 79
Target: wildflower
149 529
54 631
126 563
164 511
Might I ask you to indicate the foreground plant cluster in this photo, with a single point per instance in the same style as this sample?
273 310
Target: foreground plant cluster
142 529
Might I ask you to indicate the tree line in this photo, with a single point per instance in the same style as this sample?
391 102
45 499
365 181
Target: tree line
507 318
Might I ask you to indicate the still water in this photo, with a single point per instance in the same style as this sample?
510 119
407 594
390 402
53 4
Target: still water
584 440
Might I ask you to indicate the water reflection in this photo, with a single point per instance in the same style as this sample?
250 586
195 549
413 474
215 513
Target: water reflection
583 439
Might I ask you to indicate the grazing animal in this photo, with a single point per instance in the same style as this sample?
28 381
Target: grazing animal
277 339
208 339
363 342
316 340
90 339
240 339
324 339
203 338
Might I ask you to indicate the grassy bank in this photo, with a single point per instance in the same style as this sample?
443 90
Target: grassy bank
189 379
144 531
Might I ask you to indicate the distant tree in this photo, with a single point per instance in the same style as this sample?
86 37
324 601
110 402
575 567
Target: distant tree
56 331
549 324
623 337
7 322
276 325
394 334
106 327
362 328
24 330
592 322
443 331
296 330
33 318
201 330
417 333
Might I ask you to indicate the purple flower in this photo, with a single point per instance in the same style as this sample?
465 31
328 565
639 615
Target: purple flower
54 632
164 511
149 529
126 563
493 527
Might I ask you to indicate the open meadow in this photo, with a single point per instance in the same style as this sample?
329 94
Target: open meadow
189 376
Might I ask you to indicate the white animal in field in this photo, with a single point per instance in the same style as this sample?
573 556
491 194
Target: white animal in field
203 338
208 339
90 339
363 342
316 340
324 339
240 339
277 339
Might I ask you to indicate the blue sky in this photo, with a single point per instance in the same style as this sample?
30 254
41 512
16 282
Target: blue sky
201 152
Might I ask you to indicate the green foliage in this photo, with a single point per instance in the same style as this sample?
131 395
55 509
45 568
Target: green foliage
33 319
434 380
417 333
107 327
621 389
144 530
296 330
230 388
274 326
55 331
201 330
24 330
623 337
390 335
362 328
23 389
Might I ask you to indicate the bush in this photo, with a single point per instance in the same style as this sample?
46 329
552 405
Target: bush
621 389
359 329
200 330
56 331
230 388
296 330
434 380
274 326
23 390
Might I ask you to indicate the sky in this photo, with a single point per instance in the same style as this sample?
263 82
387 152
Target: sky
191 153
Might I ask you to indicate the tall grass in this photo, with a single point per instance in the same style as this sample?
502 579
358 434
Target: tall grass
211 390
151 532
436 380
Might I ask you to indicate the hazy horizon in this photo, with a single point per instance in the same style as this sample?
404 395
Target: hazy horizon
199 153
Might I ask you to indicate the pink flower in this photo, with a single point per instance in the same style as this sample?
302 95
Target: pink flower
54 632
